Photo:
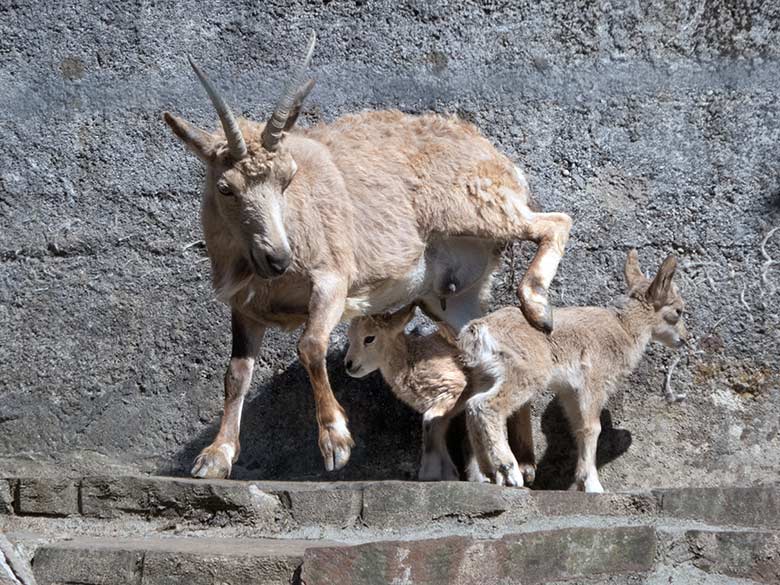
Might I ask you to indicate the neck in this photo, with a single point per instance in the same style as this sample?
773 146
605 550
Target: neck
634 319
395 360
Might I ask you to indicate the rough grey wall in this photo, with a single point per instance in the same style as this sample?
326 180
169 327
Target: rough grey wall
655 126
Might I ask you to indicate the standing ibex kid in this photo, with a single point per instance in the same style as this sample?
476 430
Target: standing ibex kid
582 360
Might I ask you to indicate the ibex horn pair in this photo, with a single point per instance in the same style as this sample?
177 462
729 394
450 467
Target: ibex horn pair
272 133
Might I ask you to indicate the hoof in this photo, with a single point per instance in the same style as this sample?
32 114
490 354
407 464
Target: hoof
214 462
537 311
528 472
590 485
335 445
509 475
474 473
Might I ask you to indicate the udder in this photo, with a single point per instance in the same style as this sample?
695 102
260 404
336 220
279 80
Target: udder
457 264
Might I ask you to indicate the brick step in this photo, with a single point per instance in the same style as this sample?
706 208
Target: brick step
277 508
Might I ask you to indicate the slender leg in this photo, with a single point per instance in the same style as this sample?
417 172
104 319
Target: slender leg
487 429
486 414
436 463
521 440
325 309
583 409
587 476
216 460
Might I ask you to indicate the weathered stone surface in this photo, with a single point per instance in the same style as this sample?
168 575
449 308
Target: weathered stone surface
751 506
336 504
237 562
12 565
655 125
88 562
170 561
396 504
527 558
48 496
747 555
214 502
571 503
6 496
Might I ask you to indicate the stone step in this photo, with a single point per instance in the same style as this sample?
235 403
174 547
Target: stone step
275 508
169 561
544 556
586 555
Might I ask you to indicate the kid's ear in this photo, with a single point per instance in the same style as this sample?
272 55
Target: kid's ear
632 271
198 141
400 318
660 289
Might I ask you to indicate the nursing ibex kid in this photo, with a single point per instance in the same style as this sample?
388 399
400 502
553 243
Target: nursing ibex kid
375 210
426 373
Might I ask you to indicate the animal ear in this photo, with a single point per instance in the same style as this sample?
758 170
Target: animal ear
660 289
198 141
400 318
631 270
295 111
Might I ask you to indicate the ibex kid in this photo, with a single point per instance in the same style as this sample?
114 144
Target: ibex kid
425 372
582 360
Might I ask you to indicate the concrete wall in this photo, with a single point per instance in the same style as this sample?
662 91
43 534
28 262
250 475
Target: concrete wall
653 126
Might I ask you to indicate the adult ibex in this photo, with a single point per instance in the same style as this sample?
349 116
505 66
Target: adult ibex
375 210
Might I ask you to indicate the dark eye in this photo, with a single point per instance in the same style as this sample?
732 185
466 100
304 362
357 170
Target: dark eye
224 188
368 340
674 317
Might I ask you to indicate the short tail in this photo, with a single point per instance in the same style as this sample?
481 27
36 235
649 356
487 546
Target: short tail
480 351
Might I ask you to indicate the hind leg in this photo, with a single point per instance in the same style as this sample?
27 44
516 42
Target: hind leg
496 208
521 440
436 463
487 430
551 232
486 416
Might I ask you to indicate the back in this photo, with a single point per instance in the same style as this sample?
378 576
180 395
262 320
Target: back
577 330
434 373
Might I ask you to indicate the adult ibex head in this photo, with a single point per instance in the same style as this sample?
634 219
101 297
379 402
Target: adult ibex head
248 173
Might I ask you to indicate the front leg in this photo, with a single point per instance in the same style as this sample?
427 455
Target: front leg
216 460
326 307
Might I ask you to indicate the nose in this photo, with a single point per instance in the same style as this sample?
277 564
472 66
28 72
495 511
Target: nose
348 363
278 262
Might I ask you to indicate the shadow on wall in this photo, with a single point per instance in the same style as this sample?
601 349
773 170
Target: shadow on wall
555 470
279 434
279 430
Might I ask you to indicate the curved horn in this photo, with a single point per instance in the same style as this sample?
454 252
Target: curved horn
275 126
235 140
300 95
